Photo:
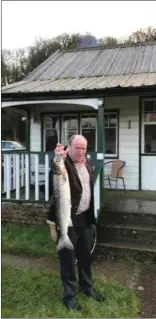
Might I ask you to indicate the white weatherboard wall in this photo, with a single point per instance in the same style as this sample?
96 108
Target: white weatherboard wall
35 140
35 134
128 139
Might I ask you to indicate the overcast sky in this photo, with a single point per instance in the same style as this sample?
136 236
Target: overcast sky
23 21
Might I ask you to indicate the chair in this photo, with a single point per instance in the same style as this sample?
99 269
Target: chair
116 172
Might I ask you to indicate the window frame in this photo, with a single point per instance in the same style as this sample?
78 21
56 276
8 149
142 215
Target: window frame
143 123
89 115
80 115
44 128
61 123
113 156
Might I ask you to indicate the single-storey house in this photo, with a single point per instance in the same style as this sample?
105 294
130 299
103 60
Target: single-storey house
106 93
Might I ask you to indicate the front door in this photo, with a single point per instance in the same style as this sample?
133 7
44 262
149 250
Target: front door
148 145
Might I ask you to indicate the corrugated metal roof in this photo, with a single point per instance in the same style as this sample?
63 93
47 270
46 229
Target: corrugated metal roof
90 69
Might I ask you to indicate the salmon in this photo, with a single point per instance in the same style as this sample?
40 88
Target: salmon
62 198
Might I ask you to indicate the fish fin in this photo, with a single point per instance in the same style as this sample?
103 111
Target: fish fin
65 242
64 173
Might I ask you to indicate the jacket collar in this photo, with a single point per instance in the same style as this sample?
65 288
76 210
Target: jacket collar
69 161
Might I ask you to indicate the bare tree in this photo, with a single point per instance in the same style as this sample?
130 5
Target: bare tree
142 35
108 41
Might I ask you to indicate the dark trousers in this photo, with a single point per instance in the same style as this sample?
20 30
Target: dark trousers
79 238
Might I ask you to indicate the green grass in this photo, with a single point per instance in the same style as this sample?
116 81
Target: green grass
33 240
35 294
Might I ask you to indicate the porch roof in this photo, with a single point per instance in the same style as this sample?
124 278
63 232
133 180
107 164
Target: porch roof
99 68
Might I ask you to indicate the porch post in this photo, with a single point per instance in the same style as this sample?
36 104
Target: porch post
101 148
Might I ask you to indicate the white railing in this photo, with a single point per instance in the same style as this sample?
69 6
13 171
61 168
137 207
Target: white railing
13 173
25 177
23 174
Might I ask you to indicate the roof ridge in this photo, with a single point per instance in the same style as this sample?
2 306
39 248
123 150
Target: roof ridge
110 46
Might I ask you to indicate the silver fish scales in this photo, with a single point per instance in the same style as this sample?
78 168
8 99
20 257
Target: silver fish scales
62 198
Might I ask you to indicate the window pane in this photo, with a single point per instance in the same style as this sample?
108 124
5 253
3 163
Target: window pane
106 120
51 133
149 106
69 127
149 111
150 138
112 120
110 141
88 129
149 117
10 146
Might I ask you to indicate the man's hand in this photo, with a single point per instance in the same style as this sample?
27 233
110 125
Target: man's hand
59 151
53 232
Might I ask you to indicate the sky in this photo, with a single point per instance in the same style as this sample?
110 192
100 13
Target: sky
24 21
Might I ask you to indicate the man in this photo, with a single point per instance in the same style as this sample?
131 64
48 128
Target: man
82 214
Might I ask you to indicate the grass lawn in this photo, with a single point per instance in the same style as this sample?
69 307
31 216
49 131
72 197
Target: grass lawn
34 293
31 293
33 240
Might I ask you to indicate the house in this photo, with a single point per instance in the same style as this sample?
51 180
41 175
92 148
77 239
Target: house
106 93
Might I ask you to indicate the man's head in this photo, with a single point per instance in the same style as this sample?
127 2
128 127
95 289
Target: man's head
77 148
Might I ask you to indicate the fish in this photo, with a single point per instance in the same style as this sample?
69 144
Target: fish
62 198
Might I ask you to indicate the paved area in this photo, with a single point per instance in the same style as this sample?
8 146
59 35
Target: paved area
141 278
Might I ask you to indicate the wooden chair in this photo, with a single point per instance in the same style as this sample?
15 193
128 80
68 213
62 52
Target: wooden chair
116 172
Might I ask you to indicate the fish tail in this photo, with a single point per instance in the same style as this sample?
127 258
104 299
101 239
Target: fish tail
64 242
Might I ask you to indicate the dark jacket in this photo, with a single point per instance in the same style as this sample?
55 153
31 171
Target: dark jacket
76 192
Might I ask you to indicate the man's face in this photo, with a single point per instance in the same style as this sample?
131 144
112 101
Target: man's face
78 149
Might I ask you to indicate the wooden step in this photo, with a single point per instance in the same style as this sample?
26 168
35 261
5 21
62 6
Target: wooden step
128 245
127 232
112 217
132 226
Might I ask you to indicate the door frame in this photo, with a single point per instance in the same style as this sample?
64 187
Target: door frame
141 154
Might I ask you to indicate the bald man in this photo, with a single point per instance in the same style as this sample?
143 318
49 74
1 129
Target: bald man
80 174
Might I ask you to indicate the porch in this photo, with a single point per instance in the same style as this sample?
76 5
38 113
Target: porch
26 177
124 220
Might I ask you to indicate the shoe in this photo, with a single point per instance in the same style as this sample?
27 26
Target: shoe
72 304
95 295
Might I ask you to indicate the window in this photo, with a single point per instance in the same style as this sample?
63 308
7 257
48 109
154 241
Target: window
111 134
149 127
51 124
7 145
69 127
88 130
59 128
